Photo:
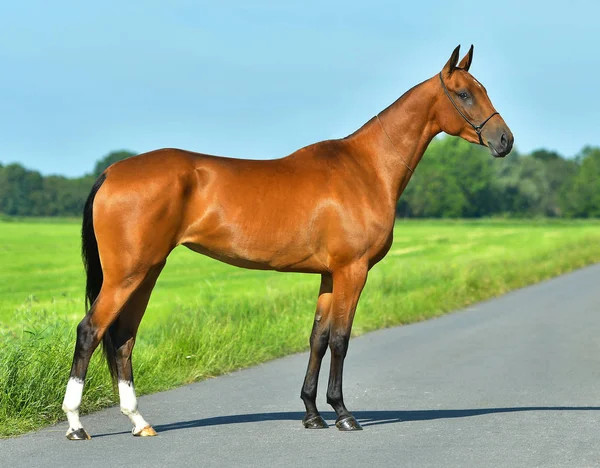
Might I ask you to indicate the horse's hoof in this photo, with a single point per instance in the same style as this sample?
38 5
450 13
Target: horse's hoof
348 423
315 422
147 431
79 434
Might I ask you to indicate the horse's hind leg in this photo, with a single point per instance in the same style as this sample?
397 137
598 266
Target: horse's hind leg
90 330
318 346
122 333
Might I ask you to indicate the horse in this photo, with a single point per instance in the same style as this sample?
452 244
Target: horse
326 209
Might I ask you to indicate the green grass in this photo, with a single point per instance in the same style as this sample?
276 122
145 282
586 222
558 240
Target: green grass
206 318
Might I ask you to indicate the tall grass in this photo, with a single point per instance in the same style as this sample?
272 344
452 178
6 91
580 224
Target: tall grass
432 268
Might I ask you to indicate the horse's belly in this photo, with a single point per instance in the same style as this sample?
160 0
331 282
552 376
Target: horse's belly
261 258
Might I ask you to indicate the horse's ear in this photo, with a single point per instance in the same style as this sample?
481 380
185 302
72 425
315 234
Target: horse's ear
451 63
465 63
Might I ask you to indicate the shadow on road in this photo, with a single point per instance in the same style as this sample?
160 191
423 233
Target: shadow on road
366 418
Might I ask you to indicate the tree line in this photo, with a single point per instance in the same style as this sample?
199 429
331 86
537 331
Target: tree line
455 179
24 192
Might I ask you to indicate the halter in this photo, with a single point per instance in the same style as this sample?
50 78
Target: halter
478 128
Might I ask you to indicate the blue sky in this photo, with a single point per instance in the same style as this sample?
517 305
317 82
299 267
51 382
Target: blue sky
258 79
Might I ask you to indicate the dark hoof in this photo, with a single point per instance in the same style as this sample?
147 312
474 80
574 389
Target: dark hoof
79 434
348 423
315 422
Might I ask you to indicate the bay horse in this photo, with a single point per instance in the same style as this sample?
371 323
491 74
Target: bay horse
326 209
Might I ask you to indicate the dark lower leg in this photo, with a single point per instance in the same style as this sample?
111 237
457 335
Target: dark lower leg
87 341
318 346
338 344
319 338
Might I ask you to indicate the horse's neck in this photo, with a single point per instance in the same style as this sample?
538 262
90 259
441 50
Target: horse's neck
399 137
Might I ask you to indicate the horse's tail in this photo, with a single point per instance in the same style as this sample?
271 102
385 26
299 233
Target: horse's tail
93 269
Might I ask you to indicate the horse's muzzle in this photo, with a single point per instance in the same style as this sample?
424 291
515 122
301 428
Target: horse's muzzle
503 146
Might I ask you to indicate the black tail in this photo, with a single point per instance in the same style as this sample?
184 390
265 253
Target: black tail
93 269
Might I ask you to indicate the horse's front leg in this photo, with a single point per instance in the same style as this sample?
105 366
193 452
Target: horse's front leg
348 283
318 346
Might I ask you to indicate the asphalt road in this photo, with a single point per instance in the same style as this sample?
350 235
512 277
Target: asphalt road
514 381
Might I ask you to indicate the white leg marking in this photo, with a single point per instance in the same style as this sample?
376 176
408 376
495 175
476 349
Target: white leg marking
72 402
129 406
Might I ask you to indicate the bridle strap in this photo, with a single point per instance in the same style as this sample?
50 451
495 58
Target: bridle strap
478 128
394 146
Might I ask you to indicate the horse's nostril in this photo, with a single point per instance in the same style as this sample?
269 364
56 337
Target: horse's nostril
504 140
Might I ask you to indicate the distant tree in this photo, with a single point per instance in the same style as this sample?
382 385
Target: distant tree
454 179
111 158
559 174
581 197
66 197
545 155
21 191
436 195
473 168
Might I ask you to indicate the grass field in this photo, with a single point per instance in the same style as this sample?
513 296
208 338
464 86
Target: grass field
206 318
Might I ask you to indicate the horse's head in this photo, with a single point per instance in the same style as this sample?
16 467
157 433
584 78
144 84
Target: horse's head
464 109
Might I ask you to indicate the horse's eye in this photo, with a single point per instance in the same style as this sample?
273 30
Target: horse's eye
463 95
